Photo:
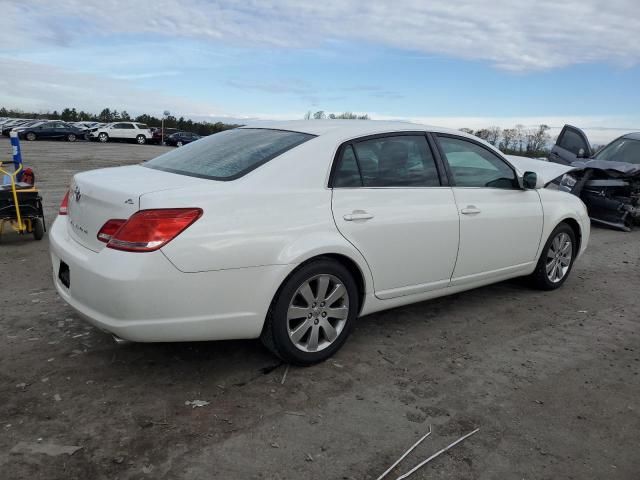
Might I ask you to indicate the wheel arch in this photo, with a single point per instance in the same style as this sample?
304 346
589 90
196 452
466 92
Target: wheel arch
575 226
360 275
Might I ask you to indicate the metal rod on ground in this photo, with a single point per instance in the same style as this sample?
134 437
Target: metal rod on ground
422 464
284 377
404 455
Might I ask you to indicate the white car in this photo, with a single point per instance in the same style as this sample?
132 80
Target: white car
136 131
290 231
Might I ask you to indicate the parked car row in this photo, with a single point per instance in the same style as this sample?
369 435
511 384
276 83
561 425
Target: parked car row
41 129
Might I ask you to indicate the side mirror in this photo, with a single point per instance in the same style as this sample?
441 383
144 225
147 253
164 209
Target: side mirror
529 180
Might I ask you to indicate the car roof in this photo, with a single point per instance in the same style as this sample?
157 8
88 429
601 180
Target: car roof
347 127
633 135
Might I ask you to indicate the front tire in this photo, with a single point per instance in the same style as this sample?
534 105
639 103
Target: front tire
179 144
312 314
556 259
103 137
141 139
71 137
31 136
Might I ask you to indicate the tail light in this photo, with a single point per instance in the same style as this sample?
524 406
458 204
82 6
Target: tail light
64 205
149 230
109 228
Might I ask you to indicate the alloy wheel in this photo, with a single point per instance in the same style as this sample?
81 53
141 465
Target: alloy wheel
559 257
317 313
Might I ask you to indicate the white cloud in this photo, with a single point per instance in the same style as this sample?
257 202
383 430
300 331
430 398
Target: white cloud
514 35
33 85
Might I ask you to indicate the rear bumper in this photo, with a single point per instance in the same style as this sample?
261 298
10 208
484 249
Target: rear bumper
142 297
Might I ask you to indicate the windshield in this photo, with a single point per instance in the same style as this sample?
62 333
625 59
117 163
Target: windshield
621 150
230 154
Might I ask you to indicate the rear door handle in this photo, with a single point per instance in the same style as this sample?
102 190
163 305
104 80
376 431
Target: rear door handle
470 210
357 215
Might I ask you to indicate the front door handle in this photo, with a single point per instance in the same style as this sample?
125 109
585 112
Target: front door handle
357 215
470 210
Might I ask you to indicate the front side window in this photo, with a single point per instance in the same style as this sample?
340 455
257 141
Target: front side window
475 166
572 142
394 161
230 154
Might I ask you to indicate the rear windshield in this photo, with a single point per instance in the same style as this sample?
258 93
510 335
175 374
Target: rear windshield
230 154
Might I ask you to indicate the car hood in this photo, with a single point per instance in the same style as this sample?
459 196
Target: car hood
616 169
546 171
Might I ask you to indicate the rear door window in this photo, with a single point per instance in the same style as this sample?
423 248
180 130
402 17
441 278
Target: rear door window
230 154
390 161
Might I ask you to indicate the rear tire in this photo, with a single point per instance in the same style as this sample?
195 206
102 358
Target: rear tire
71 137
556 260
306 325
38 228
179 144
141 139
103 137
31 136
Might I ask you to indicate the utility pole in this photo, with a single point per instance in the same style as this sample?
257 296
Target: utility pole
165 114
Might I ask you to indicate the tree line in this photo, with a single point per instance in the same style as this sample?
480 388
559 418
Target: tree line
530 142
107 116
322 115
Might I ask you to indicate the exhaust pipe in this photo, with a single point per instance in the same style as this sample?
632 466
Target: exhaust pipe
120 341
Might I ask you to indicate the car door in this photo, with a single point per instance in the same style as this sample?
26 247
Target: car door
572 143
46 130
500 223
390 203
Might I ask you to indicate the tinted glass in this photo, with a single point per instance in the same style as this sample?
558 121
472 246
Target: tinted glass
229 154
475 166
621 150
141 126
347 173
572 141
399 161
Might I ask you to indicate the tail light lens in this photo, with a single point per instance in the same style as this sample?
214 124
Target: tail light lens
64 205
149 230
109 228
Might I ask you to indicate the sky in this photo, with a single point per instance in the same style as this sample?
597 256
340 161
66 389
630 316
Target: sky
463 63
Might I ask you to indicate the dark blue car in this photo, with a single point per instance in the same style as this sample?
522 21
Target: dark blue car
179 139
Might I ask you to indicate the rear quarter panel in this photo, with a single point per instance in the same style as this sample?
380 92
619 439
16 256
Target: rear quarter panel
278 214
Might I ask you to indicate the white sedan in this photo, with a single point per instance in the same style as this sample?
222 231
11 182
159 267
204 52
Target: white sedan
290 231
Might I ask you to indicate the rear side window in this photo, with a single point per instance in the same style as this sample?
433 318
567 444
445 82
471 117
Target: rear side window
475 166
141 126
394 161
230 154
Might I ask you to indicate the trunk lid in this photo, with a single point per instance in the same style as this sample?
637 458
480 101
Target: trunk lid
114 193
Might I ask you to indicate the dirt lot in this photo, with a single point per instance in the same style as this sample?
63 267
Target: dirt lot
552 379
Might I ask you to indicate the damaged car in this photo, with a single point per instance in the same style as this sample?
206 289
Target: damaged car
608 182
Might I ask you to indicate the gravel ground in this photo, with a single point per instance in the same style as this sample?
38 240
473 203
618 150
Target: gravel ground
551 378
